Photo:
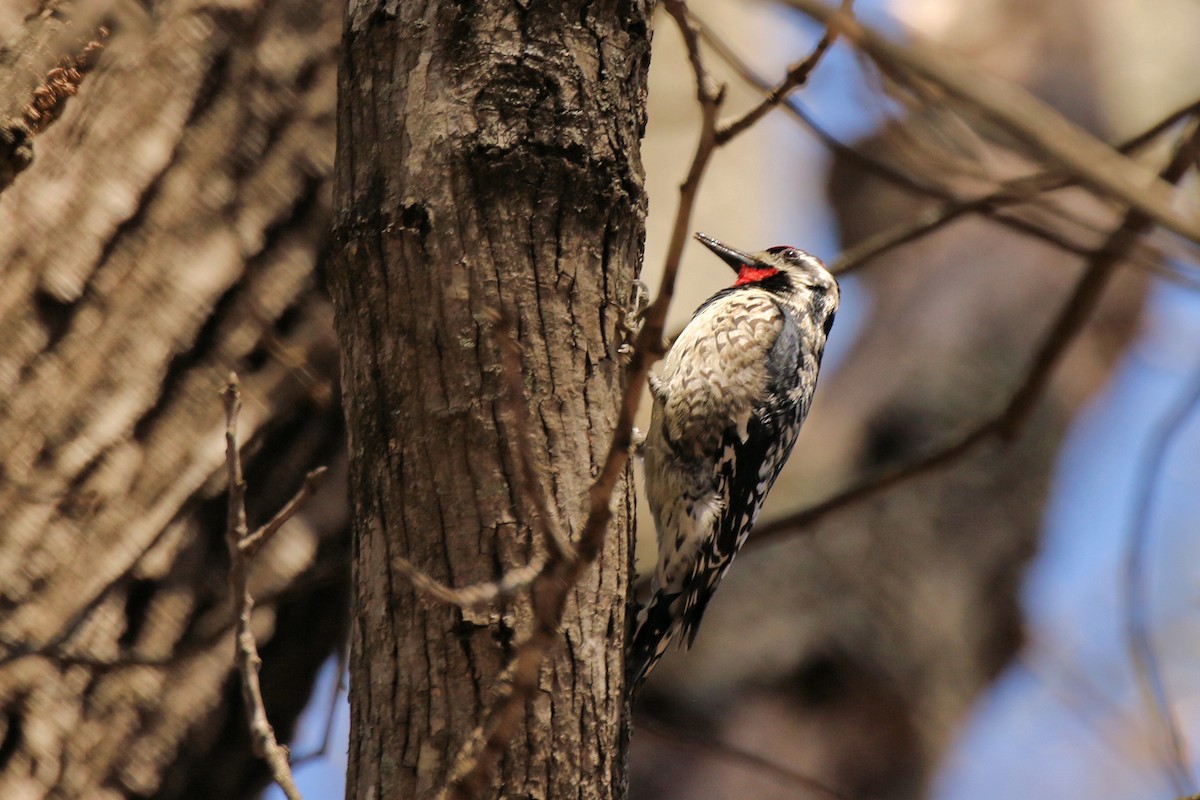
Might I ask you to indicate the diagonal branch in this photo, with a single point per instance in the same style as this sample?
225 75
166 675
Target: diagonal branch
1013 192
1088 291
1025 117
802 521
1010 193
475 595
797 76
715 747
250 545
1007 424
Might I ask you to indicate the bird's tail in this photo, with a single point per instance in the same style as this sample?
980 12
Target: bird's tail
657 623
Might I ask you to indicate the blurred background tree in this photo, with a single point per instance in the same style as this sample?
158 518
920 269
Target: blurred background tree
166 231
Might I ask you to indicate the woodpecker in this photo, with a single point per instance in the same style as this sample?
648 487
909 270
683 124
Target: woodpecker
728 404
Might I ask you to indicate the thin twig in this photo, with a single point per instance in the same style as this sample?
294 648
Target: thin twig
649 346
797 75
475 595
1029 189
250 545
1010 193
1138 627
990 207
716 747
262 734
804 519
1007 424
1140 140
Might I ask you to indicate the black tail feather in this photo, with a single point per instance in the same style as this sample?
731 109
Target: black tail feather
656 626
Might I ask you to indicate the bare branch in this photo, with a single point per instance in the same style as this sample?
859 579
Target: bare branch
883 241
1008 422
732 753
797 76
1138 141
798 112
708 92
1087 293
649 345
803 520
991 207
475 595
262 734
251 544
1026 118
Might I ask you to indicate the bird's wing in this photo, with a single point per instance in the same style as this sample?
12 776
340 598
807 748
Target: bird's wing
749 462
717 372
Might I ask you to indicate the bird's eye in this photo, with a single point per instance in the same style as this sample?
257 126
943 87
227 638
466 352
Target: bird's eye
789 254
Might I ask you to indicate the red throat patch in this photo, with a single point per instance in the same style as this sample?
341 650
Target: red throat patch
749 274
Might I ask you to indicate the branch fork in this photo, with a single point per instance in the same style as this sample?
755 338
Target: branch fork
243 546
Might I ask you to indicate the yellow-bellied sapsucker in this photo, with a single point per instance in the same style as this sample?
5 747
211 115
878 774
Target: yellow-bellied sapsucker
728 405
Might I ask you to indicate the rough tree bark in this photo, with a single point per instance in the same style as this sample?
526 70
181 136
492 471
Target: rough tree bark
488 159
165 232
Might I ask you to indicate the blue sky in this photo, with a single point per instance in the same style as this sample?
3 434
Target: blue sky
1068 719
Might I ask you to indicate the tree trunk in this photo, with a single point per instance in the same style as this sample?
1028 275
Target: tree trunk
488 159
165 232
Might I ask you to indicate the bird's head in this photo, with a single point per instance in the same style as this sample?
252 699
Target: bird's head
783 270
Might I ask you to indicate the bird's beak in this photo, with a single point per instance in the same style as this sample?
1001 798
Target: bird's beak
734 258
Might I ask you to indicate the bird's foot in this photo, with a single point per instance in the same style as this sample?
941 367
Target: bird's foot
630 323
